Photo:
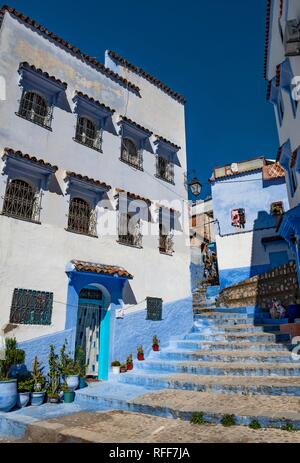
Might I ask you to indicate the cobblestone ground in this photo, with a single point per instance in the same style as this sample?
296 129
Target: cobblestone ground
125 427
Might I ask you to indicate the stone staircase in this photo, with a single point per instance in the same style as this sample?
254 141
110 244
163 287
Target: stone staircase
225 366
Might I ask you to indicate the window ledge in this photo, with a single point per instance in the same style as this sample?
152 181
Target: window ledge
129 245
21 218
99 150
166 253
34 122
135 166
165 180
81 233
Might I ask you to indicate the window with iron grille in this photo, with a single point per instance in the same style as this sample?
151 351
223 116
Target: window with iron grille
154 308
166 243
82 218
277 208
31 307
164 169
129 232
35 108
131 154
87 133
21 201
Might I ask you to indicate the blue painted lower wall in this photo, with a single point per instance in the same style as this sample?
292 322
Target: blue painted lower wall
41 346
233 276
134 329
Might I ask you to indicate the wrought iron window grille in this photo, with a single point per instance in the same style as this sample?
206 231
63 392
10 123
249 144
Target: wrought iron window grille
35 108
166 244
130 154
82 218
88 135
127 236
154 308
31 307
22 201
164 170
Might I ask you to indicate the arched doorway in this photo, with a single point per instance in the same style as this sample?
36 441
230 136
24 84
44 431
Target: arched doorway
90 305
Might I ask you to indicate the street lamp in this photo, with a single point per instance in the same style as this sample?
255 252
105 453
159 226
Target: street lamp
195 187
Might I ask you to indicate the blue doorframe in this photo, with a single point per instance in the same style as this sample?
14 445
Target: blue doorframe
112 290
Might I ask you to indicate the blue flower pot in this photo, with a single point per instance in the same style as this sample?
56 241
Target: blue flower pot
72 381
8 395
23 399
37 398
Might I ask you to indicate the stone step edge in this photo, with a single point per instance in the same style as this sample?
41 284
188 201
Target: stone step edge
211 417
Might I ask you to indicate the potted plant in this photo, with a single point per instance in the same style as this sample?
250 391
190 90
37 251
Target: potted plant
155 343
38 394
140 353
129 362
123 368
80 359
53 377
115 367
8 386
68 394
15 358
69 368
25 386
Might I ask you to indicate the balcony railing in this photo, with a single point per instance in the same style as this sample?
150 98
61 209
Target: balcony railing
166 244
135 160
164 170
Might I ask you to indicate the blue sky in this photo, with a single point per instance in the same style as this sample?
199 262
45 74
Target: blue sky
210 51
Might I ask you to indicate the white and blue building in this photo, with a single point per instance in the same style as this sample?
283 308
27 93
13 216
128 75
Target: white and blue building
249 199
85 149
282 71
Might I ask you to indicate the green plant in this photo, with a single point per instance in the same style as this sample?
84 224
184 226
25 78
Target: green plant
25 385
115 363
53 374
65 388
197 418
12 356
67 365
80 360
155 341
37 376
140 350
288 426
228 420
255 424
129 360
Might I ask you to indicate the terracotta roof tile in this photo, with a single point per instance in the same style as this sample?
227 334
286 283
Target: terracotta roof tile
24 64
168 142
268 24
92 100
138 126
82 266
147 76
86 179
19 154
134 196
273 171
78 53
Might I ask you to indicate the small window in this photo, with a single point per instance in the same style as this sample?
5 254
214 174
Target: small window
164 169
166 232
277 208
82 218
238 218
154 308
129 232
130 153
194 221
31 307
35 108
21 201
87 133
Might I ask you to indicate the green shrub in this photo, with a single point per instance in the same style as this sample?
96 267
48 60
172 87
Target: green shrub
255 425
228 420
197 418
288 426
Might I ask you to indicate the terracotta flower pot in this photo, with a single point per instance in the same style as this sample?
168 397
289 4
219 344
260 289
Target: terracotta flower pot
155 348
129 366
123 370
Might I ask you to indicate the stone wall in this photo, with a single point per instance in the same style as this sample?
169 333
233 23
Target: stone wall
259 290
